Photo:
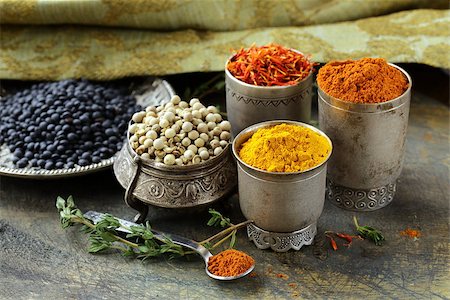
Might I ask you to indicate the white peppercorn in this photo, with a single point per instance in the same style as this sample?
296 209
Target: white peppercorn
137 117
134 138
186 141
203 111
212 109
150 108
217 131
217 151
204 137
225 125
193 135
198 106
202 127
175 99
187 116
142 139
148 143
183 104
170 133
204 154
193 101
196 114
188 154
153 121
199 142
193 148
225 135
163 122
133 128
151 134
218 117
210 118
169 159
158 144
187 126
211 125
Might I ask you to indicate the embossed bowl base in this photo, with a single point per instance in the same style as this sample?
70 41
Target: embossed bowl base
281 241
360 199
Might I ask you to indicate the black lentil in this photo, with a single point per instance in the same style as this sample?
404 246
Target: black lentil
65 124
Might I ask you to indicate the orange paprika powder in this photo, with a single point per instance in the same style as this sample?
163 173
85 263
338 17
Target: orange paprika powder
368 80
230 263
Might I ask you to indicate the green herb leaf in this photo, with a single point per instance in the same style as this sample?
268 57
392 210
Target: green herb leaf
104 234
233 240
370 233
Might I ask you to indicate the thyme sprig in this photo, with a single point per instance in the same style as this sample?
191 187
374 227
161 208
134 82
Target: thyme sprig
141 242
370 233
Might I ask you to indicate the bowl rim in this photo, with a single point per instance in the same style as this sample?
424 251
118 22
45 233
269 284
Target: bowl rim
371 106
274 87
270 123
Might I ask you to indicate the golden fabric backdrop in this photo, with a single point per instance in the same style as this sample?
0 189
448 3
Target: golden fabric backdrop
50 40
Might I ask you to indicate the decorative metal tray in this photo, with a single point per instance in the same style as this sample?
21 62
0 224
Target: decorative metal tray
153 91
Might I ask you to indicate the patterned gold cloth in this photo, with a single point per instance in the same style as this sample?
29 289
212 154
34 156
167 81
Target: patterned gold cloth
50 40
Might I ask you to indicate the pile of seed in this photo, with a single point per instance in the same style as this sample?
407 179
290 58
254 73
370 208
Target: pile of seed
65 124
179 132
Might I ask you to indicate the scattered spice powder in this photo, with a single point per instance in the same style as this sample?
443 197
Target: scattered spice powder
368 80
412 233
282 276
230 263
270 65
285 148
293 285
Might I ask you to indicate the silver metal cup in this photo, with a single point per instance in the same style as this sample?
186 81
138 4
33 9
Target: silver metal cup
369 145
285 207
250 104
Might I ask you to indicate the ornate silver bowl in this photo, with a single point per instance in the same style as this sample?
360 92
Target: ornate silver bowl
152 183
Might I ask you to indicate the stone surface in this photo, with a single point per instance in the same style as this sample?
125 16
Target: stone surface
40 260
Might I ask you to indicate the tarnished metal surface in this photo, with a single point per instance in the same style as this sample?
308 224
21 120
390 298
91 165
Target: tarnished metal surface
279 202
174 186
39 260
249 104
369 145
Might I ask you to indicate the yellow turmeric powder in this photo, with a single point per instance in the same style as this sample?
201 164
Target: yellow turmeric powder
285 148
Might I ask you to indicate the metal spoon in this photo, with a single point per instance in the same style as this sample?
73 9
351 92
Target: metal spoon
95 217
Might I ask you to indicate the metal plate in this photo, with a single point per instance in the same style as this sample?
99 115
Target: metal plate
153 91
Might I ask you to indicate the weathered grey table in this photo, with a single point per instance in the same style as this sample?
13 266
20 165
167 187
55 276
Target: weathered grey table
40 260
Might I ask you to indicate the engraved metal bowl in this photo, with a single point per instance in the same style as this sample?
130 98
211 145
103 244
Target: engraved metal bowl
284 206
369 144
153 183
249 104
153 91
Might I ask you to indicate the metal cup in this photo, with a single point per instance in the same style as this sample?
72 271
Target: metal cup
250 104
369 145
285 207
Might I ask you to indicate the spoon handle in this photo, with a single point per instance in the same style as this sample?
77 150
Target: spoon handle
95 217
